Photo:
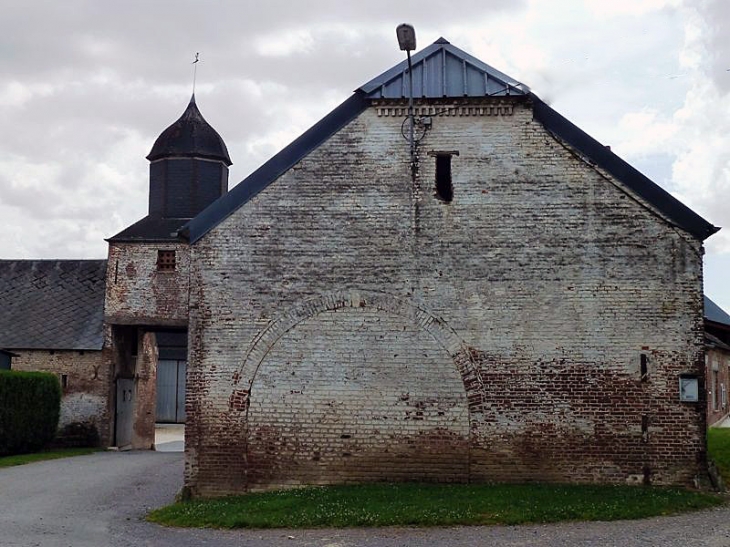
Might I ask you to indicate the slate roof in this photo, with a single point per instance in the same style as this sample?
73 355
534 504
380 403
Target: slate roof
151 229
190 136
443 70
457 84
52 304
715 313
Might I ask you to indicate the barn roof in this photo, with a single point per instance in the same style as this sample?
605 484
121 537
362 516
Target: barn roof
444 71
52 304
715 313
151 229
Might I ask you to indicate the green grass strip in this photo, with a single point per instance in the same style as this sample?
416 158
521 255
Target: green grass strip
430 505
718 447
22 459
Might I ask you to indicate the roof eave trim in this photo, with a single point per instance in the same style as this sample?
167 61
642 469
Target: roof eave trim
260 179
716 325
637 182
172 239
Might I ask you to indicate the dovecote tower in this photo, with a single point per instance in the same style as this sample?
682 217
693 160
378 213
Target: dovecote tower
147 287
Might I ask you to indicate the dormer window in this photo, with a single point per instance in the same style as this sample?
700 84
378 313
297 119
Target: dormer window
165 261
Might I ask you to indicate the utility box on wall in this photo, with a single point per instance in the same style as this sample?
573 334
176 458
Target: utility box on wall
689 390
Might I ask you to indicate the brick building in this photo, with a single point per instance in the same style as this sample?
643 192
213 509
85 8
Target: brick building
717 361
51 320
512 303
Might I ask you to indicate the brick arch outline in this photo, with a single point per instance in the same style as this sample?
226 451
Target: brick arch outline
461 354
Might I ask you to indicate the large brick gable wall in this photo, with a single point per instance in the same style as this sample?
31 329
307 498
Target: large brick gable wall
348 325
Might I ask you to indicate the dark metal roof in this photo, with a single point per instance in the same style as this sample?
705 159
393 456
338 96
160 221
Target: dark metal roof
52 304
151 229
715 313
442 70
602 157
458 83
190 136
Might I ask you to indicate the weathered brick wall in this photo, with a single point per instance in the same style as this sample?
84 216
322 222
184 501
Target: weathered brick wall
717 374
324 404
137 293
86 394
145 396
542 282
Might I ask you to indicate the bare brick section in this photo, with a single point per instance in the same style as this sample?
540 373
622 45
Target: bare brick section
346 324
139 292
85 397
351 393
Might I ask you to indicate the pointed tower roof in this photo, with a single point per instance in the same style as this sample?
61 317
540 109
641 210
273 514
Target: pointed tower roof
443 70
190 136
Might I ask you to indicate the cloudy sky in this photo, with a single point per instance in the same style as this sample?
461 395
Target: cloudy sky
87 86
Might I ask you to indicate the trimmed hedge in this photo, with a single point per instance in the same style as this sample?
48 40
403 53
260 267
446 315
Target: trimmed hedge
30 404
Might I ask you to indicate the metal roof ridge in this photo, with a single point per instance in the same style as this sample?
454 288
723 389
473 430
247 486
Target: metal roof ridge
392 72
433 49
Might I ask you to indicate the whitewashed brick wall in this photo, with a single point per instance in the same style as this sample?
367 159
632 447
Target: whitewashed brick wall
542 283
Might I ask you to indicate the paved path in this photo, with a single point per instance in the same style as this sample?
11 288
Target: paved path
100 500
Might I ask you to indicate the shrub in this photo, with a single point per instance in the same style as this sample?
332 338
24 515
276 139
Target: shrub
30 404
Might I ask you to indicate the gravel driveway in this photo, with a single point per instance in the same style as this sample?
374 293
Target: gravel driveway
100 500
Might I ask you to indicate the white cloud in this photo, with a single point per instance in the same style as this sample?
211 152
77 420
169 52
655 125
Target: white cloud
701 171
82 98
284 42
646 132
635 8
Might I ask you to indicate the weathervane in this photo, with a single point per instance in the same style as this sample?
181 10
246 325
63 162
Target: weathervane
195 70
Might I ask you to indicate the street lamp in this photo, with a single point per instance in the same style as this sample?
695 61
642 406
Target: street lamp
407 41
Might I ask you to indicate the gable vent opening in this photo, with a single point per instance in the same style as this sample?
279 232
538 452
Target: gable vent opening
444 188
165 260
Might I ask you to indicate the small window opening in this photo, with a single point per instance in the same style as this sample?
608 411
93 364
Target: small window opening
444 188
644 367
64 381
165 260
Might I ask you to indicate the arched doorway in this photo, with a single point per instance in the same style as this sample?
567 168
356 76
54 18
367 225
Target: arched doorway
356 394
